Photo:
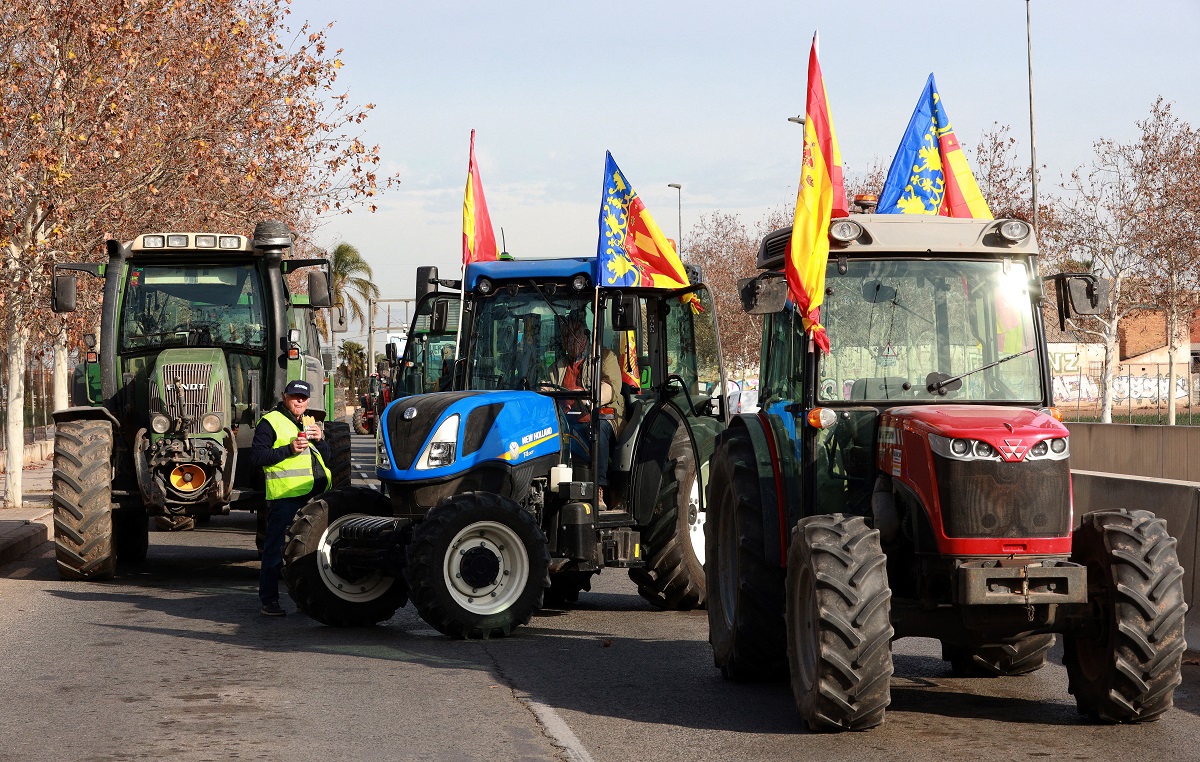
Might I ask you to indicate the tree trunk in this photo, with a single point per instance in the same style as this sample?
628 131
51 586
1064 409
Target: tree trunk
14 431
62 376
1111 348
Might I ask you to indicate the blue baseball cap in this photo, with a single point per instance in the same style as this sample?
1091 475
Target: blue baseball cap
299 388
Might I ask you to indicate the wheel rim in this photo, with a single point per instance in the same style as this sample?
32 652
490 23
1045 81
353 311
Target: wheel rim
486 567
695 519
357 589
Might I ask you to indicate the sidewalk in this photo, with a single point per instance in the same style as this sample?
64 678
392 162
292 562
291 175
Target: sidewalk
23 529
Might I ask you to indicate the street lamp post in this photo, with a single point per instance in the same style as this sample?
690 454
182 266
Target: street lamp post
797 120
679 218
1032 133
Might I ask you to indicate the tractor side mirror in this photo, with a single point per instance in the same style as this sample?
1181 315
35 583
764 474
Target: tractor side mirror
440 317
625 313
319 292
763 296
1079 294
63 296
426 281
338 320
389 350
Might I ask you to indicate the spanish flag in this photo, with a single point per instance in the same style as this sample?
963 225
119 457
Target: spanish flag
820 197
479 240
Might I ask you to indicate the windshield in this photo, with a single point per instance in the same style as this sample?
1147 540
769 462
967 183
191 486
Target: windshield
517 335
898 326
193 305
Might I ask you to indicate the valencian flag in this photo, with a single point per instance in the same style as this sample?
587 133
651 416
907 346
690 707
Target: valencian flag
479 240
632 250
929 174
820 197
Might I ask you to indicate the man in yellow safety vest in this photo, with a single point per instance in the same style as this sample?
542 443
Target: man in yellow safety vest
293 454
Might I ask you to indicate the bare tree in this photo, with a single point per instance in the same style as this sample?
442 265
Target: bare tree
119 117
1167 166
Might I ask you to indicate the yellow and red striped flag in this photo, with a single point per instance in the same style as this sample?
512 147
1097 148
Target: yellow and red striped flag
821 196
479 239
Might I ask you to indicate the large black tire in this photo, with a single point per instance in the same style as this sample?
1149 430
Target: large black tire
131 535
673 542
838 623
1126 670
746 627
323 592
477 566
337 434
1000 660
82 484
357 419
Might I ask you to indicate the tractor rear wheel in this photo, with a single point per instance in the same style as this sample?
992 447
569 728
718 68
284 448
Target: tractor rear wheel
839 629
323 591
337 434
477 566
131 535
673 542
357 420
746 627
1127 668
82 484
1001 660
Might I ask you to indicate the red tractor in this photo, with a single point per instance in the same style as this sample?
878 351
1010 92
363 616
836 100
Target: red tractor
371 404
915 481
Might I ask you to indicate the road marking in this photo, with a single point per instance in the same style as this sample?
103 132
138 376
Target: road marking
559 731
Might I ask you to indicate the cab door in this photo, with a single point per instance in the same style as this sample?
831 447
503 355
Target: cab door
683 392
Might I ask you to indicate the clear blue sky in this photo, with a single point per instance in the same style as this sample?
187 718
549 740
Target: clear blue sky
699 92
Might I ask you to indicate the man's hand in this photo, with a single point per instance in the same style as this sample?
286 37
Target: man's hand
299 445
314 433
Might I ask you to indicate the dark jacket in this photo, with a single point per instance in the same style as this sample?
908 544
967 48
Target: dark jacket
263 453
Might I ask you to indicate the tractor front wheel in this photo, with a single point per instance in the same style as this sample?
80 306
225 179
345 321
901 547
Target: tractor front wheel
329 594
1126 669
82 485
839 629
477 566
745 592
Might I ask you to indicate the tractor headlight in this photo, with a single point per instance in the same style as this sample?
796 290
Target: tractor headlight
1014 231
211 423
160 424
1058 446
442 445
381 455
845 231
1039 450
960 447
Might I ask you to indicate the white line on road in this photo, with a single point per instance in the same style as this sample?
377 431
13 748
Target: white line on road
559 731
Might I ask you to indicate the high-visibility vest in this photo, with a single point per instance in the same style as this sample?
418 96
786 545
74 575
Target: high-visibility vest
292 476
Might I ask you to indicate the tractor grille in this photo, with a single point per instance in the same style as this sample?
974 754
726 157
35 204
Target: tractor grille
194 378
986 498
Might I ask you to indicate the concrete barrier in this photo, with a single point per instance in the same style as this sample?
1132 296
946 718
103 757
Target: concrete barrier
1176 501
38 451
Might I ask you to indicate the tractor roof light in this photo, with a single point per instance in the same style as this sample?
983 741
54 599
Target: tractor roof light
845 231
230 242
580 282
206 242
1014 231
154 241
822 418
485 286
177 241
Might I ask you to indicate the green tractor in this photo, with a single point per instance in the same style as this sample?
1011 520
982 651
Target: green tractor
199 335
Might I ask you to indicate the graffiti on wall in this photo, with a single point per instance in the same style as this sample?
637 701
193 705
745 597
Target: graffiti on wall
1148 390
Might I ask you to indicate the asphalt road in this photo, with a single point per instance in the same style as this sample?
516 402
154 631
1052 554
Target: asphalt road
173 660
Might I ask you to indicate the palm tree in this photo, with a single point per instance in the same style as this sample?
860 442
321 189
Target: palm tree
352 281
354 365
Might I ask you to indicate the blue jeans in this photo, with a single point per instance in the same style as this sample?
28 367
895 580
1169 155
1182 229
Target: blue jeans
580 446
280 514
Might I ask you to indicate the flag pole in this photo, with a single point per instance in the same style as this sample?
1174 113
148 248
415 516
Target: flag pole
1032 133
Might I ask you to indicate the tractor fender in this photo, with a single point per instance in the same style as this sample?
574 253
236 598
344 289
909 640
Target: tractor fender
85 413
766 461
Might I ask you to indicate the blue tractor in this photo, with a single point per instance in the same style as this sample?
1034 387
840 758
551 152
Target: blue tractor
545 428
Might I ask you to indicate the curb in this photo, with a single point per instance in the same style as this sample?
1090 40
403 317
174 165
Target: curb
19 536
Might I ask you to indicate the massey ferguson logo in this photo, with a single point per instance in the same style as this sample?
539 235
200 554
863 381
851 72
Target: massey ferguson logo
1012 449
